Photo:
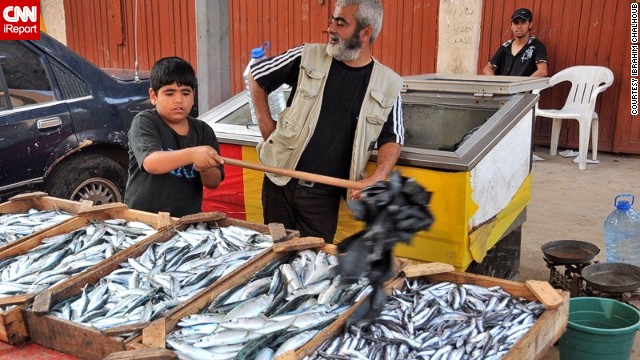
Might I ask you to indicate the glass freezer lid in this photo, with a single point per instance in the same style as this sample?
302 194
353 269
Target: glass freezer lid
479 85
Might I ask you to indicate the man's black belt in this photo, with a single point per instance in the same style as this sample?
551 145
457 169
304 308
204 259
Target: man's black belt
317 185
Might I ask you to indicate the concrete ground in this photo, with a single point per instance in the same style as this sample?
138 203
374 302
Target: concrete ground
569 204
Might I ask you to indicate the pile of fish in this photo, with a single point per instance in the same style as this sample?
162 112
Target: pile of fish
59 257
280 309
164 276
393 211
436 322
19 225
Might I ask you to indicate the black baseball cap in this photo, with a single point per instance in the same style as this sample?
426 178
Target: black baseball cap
523 13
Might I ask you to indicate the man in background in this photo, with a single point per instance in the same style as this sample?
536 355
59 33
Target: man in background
524 55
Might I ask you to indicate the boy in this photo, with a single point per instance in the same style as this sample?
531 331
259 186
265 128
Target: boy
171 155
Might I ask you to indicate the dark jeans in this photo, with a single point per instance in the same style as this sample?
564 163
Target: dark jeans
310 208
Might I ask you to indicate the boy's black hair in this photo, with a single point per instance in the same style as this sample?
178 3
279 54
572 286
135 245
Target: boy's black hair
169 70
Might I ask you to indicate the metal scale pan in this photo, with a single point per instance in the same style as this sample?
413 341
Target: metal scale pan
566 252
612 277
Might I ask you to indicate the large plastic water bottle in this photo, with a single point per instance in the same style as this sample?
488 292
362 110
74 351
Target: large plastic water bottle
276 99
622 232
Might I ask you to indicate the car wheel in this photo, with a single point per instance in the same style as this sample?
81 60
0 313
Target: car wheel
88 177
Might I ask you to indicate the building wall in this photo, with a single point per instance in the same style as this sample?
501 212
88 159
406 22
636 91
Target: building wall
459 36
117 34
52 12
418 36
407 43
213 64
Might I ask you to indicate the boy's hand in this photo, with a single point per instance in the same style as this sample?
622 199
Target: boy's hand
205 157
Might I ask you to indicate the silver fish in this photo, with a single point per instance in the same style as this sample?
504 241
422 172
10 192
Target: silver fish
18 225
148 286
438 321
270 320
295 342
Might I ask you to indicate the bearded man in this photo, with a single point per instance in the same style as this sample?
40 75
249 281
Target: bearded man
343 105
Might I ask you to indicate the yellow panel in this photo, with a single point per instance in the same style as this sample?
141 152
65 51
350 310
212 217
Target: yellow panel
252 187
486 236
451 207
448 240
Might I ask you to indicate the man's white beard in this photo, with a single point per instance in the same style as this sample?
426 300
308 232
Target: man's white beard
342 52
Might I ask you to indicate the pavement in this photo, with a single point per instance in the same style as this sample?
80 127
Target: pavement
30 352
569 204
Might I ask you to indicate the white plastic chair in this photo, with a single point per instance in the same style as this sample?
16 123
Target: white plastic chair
586 83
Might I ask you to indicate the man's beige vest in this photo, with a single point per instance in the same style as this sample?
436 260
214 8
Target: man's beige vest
296 125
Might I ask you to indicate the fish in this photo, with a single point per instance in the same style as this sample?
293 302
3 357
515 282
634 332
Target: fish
146 287
249 308
283 317
18 225
189 351
437 321
295 342
59 257
223 337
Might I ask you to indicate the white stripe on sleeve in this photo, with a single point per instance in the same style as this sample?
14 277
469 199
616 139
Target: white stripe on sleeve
398 121
267 66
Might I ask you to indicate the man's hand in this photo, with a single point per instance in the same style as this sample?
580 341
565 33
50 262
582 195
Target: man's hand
388 155
488 70
542 70
355 194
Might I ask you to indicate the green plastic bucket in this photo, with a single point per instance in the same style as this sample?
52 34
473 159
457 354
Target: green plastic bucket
599 329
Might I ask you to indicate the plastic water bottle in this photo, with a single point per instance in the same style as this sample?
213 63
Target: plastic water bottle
622 232
276 99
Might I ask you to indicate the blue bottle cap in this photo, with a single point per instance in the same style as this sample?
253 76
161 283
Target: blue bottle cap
257 53
623 205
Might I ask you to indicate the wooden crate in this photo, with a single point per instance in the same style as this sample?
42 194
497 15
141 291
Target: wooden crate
12 325
543 334
154 335
88 343
40 201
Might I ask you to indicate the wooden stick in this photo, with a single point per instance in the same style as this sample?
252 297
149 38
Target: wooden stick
322 179
31 195
298 244
143 354
42 303
125 329
103 207
154 335
17 299
278 232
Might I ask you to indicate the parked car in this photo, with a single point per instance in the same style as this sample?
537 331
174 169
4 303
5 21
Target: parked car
64 122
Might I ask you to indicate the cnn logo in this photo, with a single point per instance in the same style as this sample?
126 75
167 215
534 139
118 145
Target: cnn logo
14 14
20 20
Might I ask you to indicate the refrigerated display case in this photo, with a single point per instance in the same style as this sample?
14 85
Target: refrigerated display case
468 140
